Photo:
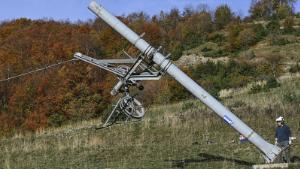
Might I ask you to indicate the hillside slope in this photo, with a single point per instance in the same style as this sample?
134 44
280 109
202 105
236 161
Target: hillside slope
181 135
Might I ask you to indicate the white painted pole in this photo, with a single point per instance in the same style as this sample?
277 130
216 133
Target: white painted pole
270 151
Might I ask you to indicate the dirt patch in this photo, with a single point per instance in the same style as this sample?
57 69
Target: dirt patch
193 59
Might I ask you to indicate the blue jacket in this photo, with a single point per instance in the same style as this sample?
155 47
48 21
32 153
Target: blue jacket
283 133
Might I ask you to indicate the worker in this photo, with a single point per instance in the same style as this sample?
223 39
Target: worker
283 138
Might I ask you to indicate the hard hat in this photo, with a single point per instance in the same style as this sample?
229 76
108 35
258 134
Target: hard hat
280 119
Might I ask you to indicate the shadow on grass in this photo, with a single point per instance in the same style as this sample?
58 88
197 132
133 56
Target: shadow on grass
295 159
205 158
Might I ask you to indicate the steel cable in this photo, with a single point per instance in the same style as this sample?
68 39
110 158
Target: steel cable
38 70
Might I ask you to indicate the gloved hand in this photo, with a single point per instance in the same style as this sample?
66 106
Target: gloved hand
276 142
290 141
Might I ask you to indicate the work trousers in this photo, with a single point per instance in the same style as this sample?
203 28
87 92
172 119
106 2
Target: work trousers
286 154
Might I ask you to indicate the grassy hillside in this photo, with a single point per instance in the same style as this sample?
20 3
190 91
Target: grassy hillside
181 135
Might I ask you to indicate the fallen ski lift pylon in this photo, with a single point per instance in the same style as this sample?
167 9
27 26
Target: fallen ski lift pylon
269 151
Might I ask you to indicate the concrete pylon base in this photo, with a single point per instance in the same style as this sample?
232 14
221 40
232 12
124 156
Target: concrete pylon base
281 165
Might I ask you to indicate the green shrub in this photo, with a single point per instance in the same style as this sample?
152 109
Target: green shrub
206 49
283 11
247 38
173 92
237 104
215 53
257 89
223 16
217 38
177 51
272 83
289 25
273 26
277 40
215 77
178 92
187 106
248 54
260 31
297 32
193 41
291 97
234 30
214 91
295 68
56 120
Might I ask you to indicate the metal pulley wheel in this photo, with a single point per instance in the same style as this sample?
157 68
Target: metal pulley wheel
123 68
132 107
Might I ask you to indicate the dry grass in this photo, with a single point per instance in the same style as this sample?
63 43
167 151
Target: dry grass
181 135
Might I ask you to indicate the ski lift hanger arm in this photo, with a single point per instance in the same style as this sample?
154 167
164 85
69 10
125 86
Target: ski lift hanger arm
109 65
100 63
